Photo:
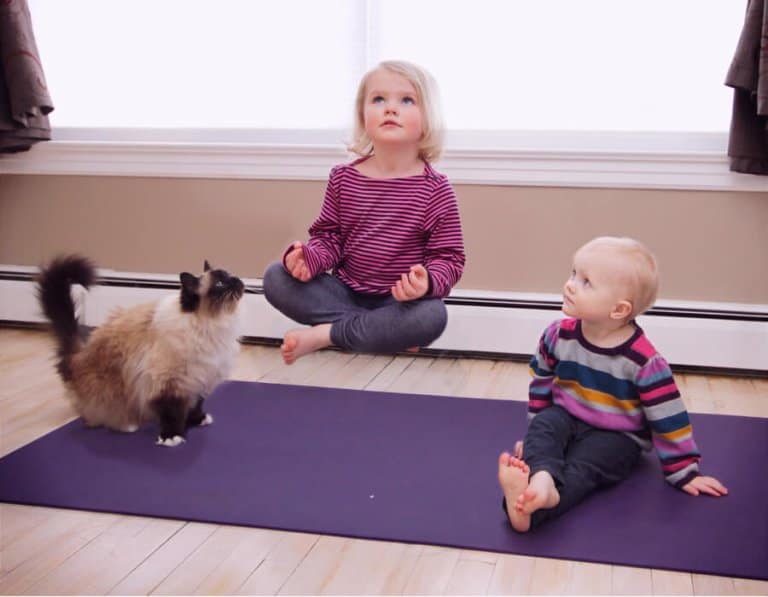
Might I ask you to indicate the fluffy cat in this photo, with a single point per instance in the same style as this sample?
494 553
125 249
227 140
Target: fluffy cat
153 362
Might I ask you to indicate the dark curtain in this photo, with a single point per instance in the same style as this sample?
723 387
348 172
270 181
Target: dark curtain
748 75
24 99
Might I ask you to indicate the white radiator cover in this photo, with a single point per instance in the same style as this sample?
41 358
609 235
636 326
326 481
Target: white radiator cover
712 336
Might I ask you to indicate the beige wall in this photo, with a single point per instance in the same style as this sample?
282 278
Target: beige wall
712 246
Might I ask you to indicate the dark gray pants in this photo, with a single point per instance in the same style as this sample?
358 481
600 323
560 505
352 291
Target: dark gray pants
360 322
580 458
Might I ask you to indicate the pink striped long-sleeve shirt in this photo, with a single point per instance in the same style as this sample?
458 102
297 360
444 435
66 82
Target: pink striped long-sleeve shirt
372 230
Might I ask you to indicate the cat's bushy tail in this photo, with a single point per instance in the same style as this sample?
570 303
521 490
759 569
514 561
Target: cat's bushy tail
53 293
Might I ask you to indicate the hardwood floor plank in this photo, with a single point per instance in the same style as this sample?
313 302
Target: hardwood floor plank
38 554
148 575
705 584
17 520
387 376
432 572
747 586
668 582
254 362
251 550
742 398
590 579
626 580
273 572
356 373
109 557
49 522
369 568
203 561
301 370
506 380
512 575
551 577
407 380
470 577
398 577
318 568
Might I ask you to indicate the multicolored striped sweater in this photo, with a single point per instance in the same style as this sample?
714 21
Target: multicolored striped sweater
628 388
371 231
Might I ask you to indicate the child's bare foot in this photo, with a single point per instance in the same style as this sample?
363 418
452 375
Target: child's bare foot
540 493
302 341
513 478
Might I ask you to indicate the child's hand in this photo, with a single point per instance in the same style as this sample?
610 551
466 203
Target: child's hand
703 484
412 285
295 263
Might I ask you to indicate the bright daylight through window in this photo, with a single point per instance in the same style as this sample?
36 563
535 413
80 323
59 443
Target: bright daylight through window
562 65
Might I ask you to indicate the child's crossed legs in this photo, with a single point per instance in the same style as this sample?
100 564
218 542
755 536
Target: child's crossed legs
347 319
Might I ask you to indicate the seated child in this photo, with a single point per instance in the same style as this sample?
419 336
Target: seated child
600 394
388 231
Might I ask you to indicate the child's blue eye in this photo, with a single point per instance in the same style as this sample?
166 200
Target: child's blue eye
377 100
587 283
408 100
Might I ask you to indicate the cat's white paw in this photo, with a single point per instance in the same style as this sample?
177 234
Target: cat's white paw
207 420
170 442
129 428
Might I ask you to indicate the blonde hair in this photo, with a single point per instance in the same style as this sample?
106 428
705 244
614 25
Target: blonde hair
638 268
431 143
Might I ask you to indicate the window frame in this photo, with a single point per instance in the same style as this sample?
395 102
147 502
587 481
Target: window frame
551 159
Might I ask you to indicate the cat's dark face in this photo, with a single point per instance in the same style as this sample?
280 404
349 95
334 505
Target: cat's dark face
215 291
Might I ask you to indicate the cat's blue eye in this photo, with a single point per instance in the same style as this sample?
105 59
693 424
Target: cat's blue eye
219 284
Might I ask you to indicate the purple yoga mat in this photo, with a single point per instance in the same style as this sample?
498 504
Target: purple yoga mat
400 467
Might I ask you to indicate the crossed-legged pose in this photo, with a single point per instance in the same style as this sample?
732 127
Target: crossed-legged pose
387 246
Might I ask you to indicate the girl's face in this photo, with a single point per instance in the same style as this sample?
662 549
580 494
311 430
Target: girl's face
595 287
392 112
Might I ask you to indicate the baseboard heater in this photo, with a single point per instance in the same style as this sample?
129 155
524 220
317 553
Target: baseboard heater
693 336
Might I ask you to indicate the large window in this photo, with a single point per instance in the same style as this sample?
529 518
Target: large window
560 65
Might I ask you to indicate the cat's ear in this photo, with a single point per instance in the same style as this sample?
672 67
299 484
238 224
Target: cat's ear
189 282
206 266
189 297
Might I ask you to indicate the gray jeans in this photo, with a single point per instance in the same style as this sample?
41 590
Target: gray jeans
360 322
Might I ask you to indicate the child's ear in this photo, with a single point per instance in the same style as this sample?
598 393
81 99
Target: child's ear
622 310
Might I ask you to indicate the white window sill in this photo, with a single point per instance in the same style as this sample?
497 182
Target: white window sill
680 161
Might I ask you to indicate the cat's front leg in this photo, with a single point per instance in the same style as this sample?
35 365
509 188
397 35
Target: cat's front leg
172 412
197 417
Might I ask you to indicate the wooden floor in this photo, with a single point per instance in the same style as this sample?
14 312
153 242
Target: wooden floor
51 551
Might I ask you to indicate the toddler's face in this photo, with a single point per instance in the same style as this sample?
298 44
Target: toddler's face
392 111
595 286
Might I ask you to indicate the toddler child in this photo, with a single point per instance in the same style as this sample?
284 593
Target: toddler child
600 394
388 231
